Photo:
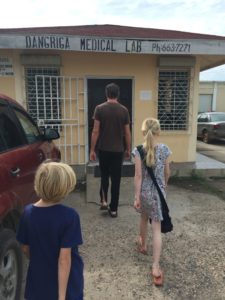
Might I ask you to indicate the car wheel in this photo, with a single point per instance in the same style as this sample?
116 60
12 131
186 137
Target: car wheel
10 266
205 136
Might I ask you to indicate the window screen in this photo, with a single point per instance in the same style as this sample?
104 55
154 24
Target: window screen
173 99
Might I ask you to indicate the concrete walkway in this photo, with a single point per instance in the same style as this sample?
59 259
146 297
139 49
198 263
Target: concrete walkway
204 166
204 162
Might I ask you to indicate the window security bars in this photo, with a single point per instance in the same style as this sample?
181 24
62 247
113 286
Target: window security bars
58 102
48 90
173 99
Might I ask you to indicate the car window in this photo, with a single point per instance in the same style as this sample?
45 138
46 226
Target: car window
3 145
9 133
217 117
30 129
199 118
203 118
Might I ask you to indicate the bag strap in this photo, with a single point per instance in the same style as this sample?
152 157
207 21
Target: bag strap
141 151
162 198
152 175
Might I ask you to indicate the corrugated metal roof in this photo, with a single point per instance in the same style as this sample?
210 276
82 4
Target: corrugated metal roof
114 31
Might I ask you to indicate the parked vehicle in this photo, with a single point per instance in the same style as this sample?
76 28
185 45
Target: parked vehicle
211 126
23 146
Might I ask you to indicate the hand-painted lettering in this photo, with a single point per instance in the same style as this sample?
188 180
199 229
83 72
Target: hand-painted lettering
47 42
171 47
133 46
104 45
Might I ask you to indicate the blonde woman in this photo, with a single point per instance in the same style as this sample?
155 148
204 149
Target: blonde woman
50 234
147 200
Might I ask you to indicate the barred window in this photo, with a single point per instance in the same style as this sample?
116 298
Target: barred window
43 93
173 99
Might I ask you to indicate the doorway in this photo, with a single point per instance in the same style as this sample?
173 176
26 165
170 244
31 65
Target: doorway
96 96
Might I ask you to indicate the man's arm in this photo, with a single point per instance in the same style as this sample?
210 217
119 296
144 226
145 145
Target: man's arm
94 139
127 140
64 265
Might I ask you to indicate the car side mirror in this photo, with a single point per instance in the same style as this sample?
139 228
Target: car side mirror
51 134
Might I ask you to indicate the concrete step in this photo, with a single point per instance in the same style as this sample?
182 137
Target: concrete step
127 169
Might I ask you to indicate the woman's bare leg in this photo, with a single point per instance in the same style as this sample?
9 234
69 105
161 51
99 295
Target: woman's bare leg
157 247
143 231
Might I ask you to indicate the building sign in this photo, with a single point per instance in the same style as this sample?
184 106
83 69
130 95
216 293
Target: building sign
47 42
6 67
115 45
134 46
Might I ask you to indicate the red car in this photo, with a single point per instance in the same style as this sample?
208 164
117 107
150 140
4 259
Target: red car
23 147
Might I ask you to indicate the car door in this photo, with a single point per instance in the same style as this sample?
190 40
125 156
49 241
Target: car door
220 126
39 150
199 125
221 130
15 179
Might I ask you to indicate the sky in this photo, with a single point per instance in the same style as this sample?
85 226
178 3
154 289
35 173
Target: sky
200 16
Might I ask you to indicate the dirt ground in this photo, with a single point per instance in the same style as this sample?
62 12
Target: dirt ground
214 185
193 257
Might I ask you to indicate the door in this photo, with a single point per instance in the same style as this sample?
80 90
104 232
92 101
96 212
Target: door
205 103
96 95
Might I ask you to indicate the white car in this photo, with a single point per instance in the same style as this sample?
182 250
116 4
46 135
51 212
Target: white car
211 126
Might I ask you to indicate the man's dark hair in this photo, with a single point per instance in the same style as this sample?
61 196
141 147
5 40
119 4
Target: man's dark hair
112 91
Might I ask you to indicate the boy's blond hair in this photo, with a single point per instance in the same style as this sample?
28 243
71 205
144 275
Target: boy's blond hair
54 181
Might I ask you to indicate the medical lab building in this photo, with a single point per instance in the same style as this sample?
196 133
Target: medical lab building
59 75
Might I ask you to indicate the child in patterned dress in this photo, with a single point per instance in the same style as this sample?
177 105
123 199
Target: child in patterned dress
147 200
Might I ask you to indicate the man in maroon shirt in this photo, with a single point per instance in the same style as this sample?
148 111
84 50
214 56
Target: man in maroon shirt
111 127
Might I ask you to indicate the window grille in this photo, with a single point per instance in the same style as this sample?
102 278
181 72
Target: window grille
56 101
43 93
173 99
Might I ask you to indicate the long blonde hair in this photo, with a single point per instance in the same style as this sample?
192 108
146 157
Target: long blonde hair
150 128
54 181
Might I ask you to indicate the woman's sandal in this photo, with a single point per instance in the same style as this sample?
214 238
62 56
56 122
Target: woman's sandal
158 280
140 248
